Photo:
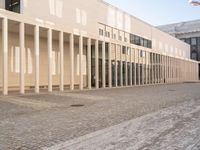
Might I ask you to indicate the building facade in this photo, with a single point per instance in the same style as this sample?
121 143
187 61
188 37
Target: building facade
188 32
59 44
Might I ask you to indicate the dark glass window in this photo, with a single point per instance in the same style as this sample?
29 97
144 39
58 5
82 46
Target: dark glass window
193 41
137 40
194 55
13 5
123 50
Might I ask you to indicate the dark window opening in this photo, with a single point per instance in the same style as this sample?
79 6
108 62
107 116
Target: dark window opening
137 40
13 5
194 55
123 50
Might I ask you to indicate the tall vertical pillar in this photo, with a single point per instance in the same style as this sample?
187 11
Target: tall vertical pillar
110 65
146 70
61 47
5 55
158 67
103 64
142 71
139 67
71 61
89 62
131 67
22 59
135 82
80 62
153 68
149 69
97 64
126 70
49 36
37 57
121 69
116 64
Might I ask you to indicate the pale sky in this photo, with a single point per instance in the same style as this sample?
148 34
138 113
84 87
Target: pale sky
159 12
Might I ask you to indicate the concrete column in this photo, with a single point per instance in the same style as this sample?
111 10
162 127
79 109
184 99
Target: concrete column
61 47
116 74
5 55
156 69
22 58
139 67
110 65
49 36
170 66
80 63
162 69
89 62
126 68
97 64
149 68
142 63
146 71
37 57
135 67
143 67
159 68
131 68
71 61
167 65
103 64
153 68
121 70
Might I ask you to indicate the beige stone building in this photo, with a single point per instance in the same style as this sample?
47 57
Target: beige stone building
64 45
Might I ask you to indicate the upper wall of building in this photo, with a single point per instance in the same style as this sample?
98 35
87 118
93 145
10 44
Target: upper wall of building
2 3
79 16
83 17
161 41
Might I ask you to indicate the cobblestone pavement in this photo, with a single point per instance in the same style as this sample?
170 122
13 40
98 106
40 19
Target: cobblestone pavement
45 120
173 128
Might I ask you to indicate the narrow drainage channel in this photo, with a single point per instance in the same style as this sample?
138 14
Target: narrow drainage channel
77 105
171 90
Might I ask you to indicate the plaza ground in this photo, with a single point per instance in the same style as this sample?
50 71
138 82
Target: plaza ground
151 117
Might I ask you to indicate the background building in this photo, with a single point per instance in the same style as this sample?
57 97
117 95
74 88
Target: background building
188 32
59 44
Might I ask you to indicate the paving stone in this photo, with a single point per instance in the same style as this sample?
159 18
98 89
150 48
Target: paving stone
37 121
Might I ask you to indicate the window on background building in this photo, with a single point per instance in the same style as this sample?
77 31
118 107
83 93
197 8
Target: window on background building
124 50
13 5
198 42
193 41
194 55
